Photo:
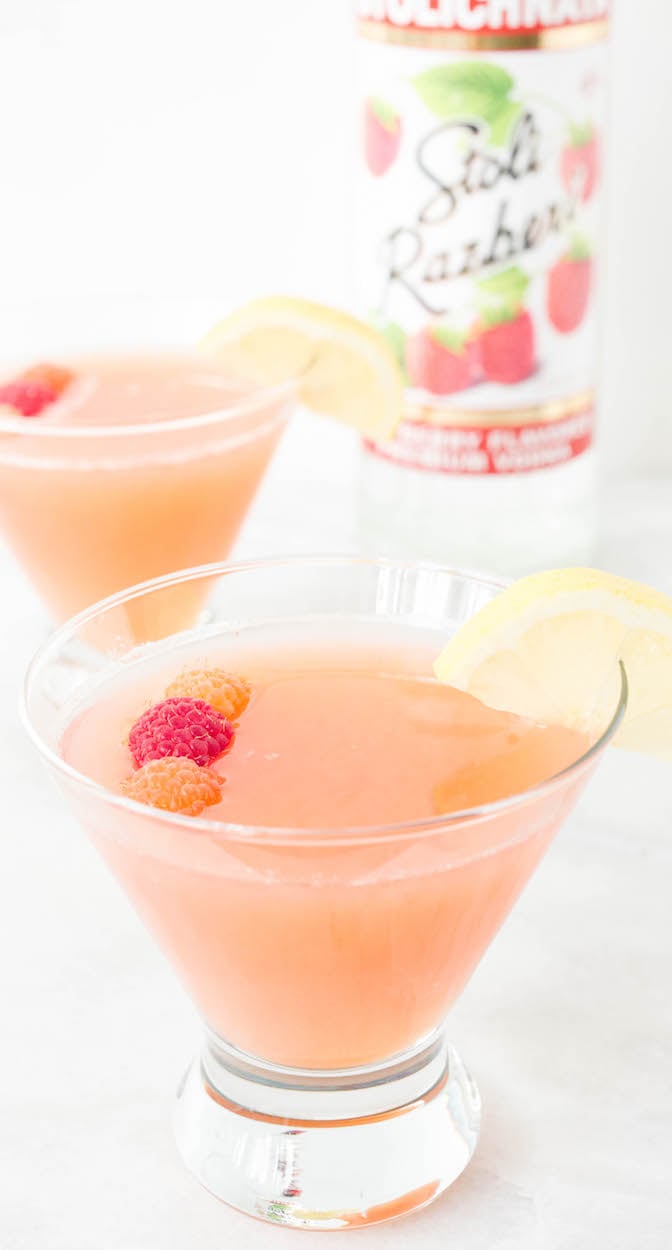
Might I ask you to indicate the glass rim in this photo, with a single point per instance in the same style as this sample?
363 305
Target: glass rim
281 834
260 394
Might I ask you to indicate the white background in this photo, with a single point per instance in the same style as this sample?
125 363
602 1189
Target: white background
205 150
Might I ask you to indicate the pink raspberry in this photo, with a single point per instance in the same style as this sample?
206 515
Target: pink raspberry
27 397
185 728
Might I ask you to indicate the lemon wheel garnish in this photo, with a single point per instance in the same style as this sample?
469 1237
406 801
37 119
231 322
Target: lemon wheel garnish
548 647
342 367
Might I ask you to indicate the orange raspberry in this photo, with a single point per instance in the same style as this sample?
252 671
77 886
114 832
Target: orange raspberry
224 691
56 377
174 785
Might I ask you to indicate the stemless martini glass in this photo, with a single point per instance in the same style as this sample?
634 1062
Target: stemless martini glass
147 462
323 960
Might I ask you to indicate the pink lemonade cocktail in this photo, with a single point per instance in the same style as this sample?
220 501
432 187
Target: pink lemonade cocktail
324 840
341 730
137 465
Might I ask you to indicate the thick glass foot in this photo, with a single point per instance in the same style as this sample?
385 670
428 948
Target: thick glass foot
327 1149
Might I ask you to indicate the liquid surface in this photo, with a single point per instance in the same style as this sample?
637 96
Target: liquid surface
141 389
339 734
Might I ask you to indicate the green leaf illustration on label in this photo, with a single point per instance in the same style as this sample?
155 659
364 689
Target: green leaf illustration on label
580 133
394 335
384 112
468 88
579 248
449 337
471 91
502 127
500 296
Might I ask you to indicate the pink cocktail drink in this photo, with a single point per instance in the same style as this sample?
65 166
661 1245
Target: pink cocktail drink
319 956
324 840
141 464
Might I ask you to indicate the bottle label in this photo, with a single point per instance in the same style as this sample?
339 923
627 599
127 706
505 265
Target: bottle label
479 220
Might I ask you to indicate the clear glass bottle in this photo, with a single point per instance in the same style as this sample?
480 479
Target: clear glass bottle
478 223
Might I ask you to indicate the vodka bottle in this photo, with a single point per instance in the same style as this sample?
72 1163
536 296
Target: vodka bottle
478 229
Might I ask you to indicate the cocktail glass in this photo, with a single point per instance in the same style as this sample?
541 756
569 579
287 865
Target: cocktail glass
305 944
90 509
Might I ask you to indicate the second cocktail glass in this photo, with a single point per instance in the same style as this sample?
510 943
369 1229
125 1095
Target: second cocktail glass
147 464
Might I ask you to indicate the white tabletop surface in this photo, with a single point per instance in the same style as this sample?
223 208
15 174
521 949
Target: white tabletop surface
566 1025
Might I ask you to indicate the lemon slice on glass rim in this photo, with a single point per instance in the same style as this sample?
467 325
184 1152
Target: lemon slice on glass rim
342 367
548 647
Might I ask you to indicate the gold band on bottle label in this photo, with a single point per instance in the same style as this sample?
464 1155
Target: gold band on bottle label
484 418
550 39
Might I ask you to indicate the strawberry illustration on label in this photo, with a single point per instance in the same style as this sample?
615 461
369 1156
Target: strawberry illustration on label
441 359
382 135
580 161
568 288
506 342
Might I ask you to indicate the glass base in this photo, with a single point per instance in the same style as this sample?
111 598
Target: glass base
327 1149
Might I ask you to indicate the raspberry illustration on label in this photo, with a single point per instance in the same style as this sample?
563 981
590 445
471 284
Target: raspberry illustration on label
382 135
506 343
442 360
580 161
568 288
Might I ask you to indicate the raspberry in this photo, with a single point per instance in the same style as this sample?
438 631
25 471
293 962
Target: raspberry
174 785
56 377
188 728
28 398
227 693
